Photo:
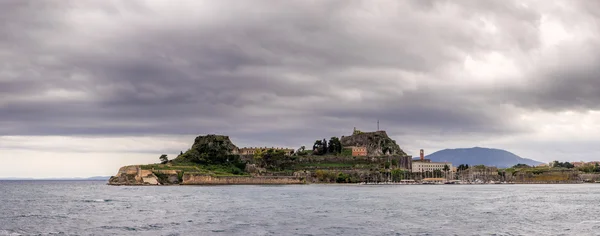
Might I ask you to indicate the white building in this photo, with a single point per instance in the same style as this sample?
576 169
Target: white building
418 166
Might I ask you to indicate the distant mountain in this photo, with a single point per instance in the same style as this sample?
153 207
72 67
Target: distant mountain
98 178
102 178
479 156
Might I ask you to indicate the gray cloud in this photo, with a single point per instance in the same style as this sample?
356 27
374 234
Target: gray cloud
269 69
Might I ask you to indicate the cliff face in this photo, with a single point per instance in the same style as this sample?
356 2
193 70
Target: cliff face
214 139
377 143
135 175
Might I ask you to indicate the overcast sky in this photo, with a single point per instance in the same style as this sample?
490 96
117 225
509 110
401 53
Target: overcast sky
89 86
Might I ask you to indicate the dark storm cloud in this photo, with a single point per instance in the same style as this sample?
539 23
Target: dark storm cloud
569 83
266 69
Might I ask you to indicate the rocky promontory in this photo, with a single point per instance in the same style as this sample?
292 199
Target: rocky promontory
214 159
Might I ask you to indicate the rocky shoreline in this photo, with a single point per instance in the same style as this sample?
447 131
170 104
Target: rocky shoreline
135 175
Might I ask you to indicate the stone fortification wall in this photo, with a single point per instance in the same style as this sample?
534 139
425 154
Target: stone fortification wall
590 177
167 172
547 178
199 179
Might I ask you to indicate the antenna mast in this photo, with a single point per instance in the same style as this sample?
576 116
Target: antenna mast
377 125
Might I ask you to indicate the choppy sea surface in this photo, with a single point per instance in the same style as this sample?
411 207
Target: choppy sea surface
93 208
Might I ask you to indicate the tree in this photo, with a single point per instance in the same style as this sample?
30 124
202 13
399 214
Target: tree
301 151
521 166
163 159
215 151
324 147
317 147
569 165
272 158
258 156
563 164
462 167
334 146
446 169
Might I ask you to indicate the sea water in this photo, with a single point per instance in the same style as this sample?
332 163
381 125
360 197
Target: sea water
94 208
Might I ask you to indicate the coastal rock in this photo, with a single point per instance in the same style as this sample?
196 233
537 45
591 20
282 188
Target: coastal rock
377 143
133 175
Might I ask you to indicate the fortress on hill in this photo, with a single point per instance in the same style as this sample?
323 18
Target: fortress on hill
376 143
214 159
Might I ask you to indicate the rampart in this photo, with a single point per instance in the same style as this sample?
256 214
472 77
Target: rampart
555 177
201 179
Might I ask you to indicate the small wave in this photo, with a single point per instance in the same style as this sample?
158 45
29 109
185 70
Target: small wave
7 232
121 228
98 200
590 222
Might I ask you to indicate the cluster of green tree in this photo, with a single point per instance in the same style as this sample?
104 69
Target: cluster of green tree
462 167
433 174
590 168
326 176
163 159
521 166
346 178
272 159
398 174
563 164
322 147
301 151
346 152
216 152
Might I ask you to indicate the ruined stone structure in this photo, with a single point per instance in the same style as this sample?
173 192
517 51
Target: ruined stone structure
252 150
